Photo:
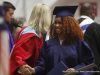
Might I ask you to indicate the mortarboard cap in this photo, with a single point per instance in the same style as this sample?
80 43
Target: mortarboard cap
60 11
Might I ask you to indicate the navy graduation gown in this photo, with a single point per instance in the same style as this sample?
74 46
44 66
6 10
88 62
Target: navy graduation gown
73 55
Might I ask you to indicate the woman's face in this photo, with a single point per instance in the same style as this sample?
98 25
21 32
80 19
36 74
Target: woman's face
58 25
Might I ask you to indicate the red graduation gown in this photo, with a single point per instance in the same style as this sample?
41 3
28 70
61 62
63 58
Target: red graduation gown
26 51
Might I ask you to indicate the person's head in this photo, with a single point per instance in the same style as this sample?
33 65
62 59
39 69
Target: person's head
67 26
40 18
16 28
8 11
88 10
16 23
20 22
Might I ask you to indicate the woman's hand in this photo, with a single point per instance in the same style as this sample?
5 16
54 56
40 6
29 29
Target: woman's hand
24 70
32 70
70 69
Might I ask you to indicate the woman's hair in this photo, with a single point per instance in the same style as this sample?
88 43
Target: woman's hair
71 29
20 21
40 18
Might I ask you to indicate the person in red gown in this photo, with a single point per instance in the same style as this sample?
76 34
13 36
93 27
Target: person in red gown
29 40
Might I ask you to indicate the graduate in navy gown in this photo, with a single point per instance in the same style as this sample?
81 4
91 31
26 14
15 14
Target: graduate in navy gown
66 45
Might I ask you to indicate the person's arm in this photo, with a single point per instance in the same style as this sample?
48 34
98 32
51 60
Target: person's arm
40 68
86 56
21 52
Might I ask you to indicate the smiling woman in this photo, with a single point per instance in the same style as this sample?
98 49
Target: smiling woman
67 27
58 25
66 45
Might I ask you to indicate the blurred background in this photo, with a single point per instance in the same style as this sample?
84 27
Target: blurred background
24 7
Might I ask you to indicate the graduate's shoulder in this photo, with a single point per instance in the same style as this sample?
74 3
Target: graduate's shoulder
48 42
51 42
80 42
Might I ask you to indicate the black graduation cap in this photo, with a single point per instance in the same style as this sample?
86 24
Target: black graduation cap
60 11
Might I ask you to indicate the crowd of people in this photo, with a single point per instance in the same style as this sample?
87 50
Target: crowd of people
74 42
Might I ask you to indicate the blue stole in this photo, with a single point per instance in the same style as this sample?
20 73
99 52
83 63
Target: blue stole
84 27
30 30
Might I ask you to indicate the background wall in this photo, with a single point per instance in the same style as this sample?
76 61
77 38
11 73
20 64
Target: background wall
24 7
